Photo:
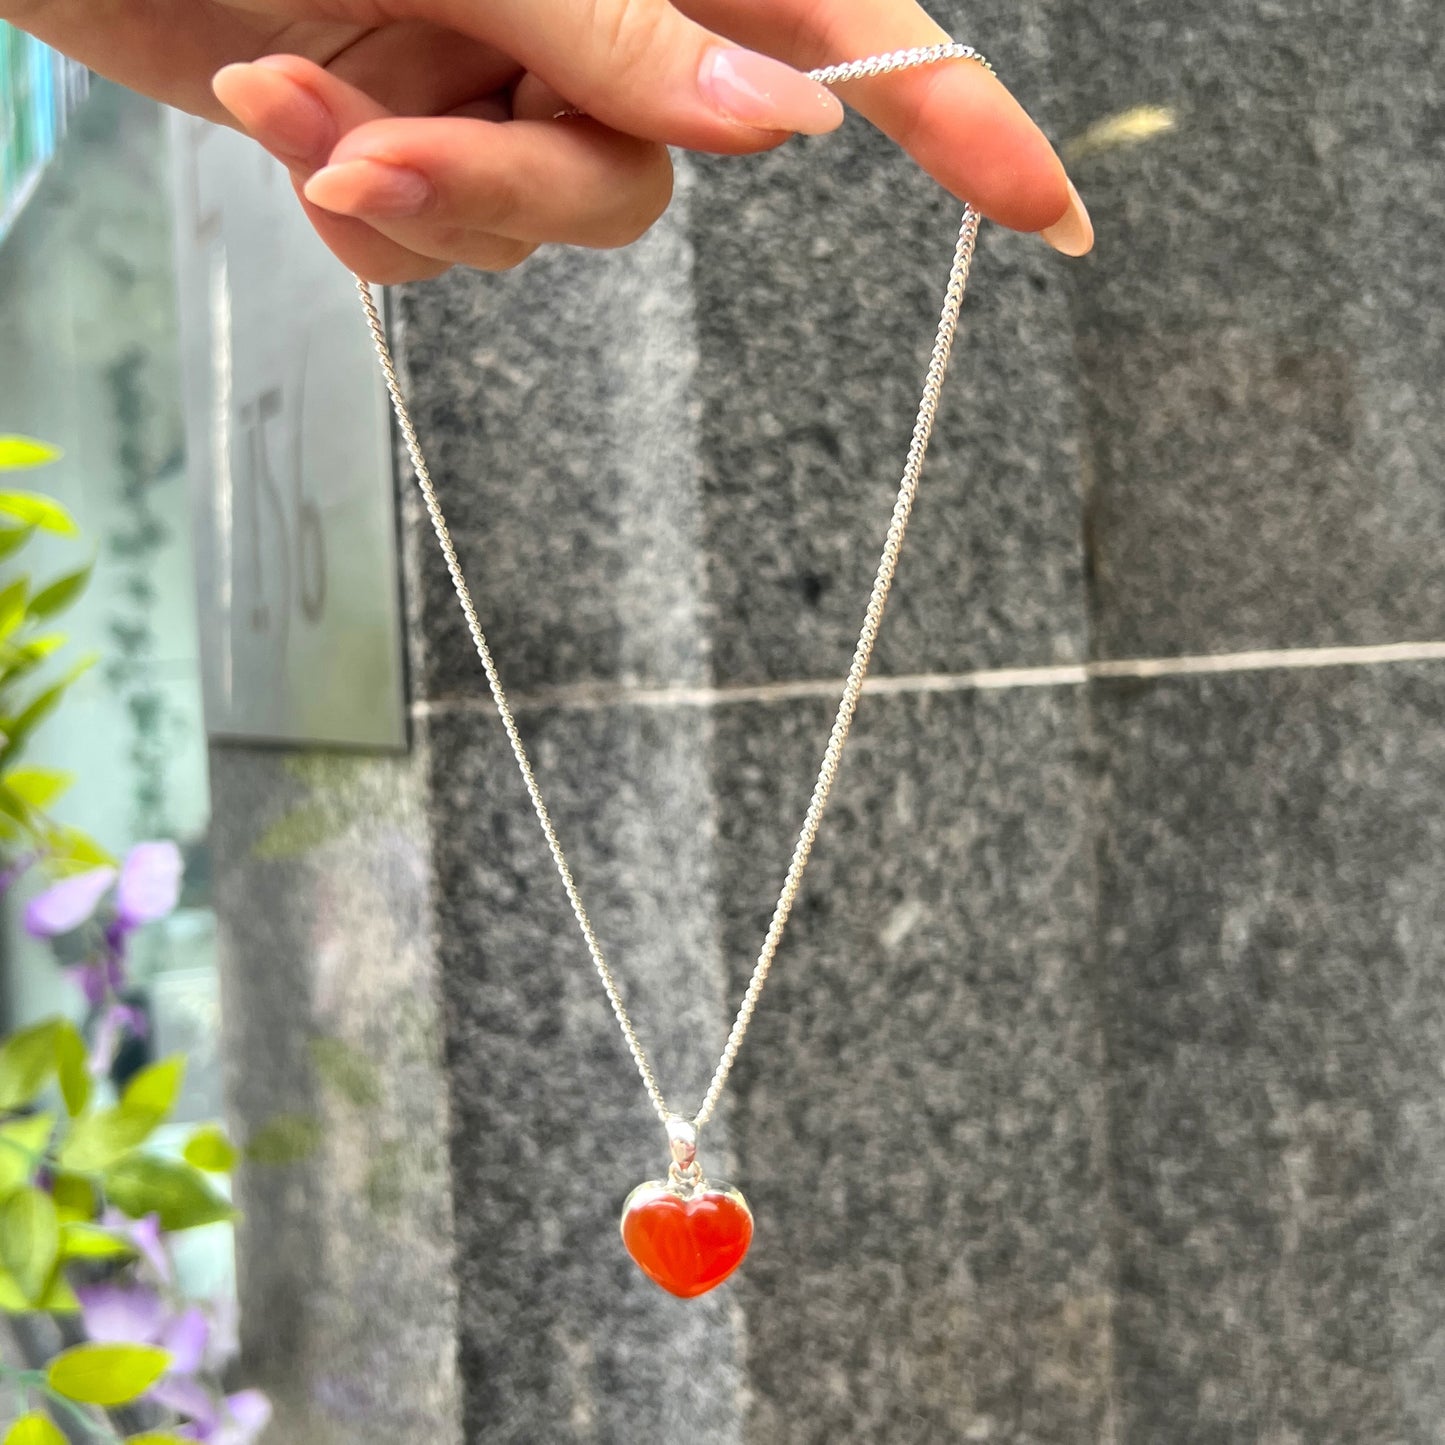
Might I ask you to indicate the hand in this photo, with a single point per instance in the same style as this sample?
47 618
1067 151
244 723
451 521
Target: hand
420 133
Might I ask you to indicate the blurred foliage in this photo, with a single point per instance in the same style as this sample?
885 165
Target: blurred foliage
87 1200
29 690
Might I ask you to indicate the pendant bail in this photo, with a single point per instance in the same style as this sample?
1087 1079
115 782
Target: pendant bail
685 1173
682 1141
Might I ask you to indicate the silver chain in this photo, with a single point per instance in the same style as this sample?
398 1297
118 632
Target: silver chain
862 653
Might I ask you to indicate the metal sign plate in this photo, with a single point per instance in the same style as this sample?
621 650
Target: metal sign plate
289 454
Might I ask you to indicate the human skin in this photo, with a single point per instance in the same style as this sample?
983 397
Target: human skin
422 134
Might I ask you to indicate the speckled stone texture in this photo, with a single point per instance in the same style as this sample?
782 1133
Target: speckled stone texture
1270 850
1095 1099
920 1111
1261 331
924 1165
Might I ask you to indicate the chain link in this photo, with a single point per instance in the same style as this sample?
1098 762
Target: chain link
853 686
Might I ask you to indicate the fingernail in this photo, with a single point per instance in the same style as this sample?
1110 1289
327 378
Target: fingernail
370 189
1073 232
282 115
759 91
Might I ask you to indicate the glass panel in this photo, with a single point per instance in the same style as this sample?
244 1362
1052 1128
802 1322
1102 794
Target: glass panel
89 363
38 91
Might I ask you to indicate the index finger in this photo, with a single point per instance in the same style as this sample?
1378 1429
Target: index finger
958 121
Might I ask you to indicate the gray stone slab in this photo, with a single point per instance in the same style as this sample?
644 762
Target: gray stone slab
819 274
1270 917
334 1082
560 1337
677 463
919 1106
555 407
1260 325
916 1116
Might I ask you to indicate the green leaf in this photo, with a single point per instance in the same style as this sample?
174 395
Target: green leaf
58 1298
27 1060
22 1145
146 1184
106 1374
19 659
71 851
16 452
154 1090
88 1241
58 595
12 807
12 605
37 510
72 1066
29 1239
96 1141
37 649
74 1197
152 1438
12 539
211 1150
12 1298
39 787
33 1429
17 729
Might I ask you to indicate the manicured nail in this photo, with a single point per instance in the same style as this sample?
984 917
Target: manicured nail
282 115
760 91
1073 232
370 189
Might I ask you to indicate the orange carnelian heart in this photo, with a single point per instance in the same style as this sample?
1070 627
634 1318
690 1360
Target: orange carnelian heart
688 1246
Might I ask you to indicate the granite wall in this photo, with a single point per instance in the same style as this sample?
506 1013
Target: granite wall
1096 1095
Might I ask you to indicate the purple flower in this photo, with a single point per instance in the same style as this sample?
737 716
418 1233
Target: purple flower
236 1420
185 1338
150 884
145 1235
137 1315
186 1396
66 905
121 1314
90 979
243 1416
148 888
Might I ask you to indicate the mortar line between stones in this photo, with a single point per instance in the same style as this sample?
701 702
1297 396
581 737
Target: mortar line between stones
585 696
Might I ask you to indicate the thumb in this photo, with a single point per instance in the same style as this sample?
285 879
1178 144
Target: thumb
642 67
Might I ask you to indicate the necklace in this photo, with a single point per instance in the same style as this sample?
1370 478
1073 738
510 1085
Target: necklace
685 1232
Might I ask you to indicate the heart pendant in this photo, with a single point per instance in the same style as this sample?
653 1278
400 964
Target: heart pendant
683 1233
687 1239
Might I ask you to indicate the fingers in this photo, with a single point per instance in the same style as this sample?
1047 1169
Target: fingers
955 119
419 69
407 197
298 113
639 66
425 181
